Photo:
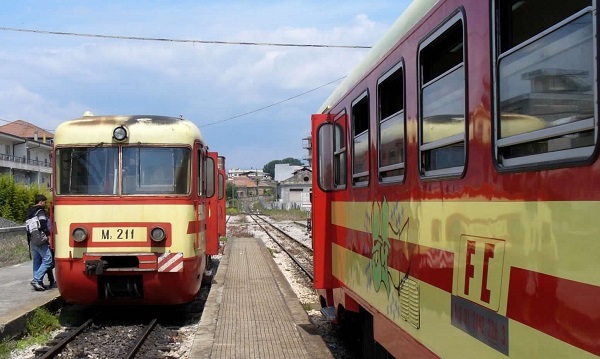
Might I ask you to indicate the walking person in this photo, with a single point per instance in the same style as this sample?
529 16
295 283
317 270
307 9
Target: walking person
37 237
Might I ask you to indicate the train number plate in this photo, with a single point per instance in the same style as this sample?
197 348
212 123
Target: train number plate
120 234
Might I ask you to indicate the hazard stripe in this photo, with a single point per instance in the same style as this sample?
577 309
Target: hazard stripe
170 262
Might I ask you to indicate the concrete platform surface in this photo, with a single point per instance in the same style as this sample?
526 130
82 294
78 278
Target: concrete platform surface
18 299
252 312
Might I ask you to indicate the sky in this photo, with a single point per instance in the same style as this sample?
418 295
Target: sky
252 103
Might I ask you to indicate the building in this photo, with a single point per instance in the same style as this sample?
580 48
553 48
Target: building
284 171
237 172
294 192
245 187
307 145
25 153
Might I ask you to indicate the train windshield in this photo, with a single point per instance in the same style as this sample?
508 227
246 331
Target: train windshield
156 170
144 170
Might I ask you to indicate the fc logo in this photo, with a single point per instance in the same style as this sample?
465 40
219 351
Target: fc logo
480 270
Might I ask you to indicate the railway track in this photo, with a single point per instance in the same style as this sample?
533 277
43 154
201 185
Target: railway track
117 341
301 254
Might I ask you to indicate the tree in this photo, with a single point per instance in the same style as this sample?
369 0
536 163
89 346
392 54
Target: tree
269 168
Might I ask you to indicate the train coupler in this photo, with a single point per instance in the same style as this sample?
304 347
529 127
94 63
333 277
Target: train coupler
96 267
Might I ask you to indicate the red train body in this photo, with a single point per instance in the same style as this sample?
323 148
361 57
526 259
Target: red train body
131 204
455 184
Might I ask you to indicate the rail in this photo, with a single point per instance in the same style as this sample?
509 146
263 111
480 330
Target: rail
12 229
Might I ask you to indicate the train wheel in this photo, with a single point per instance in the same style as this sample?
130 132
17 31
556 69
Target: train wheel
370 348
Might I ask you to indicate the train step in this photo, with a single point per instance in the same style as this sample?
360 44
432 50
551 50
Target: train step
328 313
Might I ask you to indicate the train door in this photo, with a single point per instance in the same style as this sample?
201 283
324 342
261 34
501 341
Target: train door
221 196
200 199
323 182
212 221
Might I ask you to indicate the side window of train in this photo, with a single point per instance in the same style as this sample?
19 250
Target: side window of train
221 192
545 86
442 125
324 156
360 140
210 176
200 173
339 151
390 96
331 153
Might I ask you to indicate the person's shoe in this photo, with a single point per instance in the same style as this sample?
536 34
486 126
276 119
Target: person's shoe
37 286
51 285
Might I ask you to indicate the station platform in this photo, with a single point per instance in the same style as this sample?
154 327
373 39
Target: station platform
18 300
252 312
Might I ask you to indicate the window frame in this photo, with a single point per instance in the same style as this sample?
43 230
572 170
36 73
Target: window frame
200 173
324 160
210 169
550 159
402 164
341 154
360 179
457 17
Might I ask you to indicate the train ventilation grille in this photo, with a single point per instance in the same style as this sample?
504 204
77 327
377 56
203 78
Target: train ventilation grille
409 302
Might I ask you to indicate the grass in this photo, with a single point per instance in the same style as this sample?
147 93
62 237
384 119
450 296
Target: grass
13 249
39 329
232 211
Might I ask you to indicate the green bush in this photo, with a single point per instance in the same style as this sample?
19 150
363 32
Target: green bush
16 198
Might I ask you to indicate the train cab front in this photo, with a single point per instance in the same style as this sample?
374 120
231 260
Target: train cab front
128 263
130 278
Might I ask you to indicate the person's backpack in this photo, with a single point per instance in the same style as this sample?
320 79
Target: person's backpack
36 235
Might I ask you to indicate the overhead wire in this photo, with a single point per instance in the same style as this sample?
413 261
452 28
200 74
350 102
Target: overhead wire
213 42
120 37
273 104
233 117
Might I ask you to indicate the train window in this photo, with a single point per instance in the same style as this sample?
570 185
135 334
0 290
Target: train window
390 94
339 151
87 171
545 73
442 116
156 170
324 156
210 177
360 135
200 173
221 186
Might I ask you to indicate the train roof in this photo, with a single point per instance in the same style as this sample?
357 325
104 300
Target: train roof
91 129
415 11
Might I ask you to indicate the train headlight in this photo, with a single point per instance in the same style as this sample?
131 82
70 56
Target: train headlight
79 235
157 234
120 133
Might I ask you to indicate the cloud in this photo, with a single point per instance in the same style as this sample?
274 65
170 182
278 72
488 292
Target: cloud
47 79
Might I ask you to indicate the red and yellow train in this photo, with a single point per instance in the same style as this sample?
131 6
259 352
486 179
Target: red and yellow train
455 184
131 211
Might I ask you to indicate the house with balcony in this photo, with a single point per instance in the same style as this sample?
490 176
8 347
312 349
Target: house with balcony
25 153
